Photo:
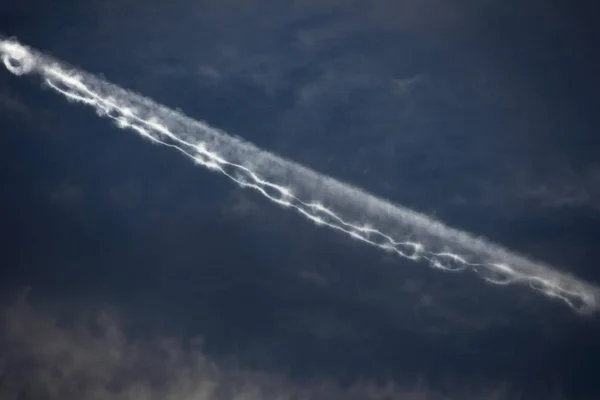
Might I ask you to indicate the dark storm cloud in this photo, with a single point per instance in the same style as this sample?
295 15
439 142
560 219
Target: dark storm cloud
72 352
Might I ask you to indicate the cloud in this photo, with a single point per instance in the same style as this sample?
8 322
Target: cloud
70 352
569 189
13 105
17 107
400 83
67 195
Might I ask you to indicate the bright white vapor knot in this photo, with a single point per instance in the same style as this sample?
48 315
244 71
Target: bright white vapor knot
16 57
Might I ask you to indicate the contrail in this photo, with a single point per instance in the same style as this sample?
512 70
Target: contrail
317 197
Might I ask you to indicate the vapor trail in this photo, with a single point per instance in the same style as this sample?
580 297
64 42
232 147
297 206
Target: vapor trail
319 198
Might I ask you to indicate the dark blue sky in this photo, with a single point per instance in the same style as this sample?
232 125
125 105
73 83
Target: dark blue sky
481 114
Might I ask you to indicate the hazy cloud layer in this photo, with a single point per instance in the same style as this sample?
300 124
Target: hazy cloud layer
70 352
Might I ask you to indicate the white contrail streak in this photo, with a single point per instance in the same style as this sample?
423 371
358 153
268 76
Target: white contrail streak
319 198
